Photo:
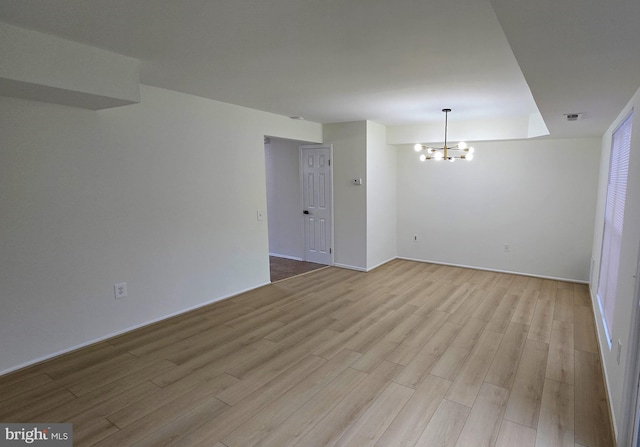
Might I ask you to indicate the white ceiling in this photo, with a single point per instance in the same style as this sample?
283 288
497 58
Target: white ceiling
395 62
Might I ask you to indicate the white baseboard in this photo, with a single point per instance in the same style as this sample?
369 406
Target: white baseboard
474 267
350 267
381 264
364 269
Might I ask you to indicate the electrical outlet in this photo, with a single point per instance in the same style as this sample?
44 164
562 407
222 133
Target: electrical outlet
507 248
259 215
120 290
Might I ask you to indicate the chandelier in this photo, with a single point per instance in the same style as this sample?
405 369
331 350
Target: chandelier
460 150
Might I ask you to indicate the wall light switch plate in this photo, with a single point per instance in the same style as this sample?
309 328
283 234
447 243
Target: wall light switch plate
259 215
120 290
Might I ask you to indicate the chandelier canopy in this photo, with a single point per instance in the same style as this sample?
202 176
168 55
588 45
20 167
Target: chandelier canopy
460 150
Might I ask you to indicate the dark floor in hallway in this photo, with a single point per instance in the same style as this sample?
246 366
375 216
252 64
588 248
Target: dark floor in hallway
282 268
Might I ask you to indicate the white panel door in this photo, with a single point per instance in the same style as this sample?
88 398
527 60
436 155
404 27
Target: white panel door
315 166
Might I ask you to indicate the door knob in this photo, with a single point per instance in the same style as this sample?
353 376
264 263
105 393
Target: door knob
305 212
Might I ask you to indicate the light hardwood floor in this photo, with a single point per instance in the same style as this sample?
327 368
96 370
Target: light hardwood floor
411 354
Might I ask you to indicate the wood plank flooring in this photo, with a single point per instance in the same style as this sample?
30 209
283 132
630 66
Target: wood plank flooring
410 354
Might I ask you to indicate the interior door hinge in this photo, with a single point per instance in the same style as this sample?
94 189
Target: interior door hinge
330 251
329 162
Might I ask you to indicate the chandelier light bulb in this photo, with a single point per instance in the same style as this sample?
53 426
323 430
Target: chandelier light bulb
438 156
452 159
462 145
423 157
417 147
471 150
469 157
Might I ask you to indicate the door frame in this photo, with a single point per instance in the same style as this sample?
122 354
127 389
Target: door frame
301 148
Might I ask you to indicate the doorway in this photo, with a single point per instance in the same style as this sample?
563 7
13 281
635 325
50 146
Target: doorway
285 206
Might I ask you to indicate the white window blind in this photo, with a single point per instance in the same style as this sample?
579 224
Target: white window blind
613 220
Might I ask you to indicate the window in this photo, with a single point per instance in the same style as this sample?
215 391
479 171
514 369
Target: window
613 220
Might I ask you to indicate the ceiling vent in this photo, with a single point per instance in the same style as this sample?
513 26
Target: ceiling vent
573 116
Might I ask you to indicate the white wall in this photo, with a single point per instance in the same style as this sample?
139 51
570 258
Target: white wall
284 198
536 195
618 387
161 194
381 197
349 200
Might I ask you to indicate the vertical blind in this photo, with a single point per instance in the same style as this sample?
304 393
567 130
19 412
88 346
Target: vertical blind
613 220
